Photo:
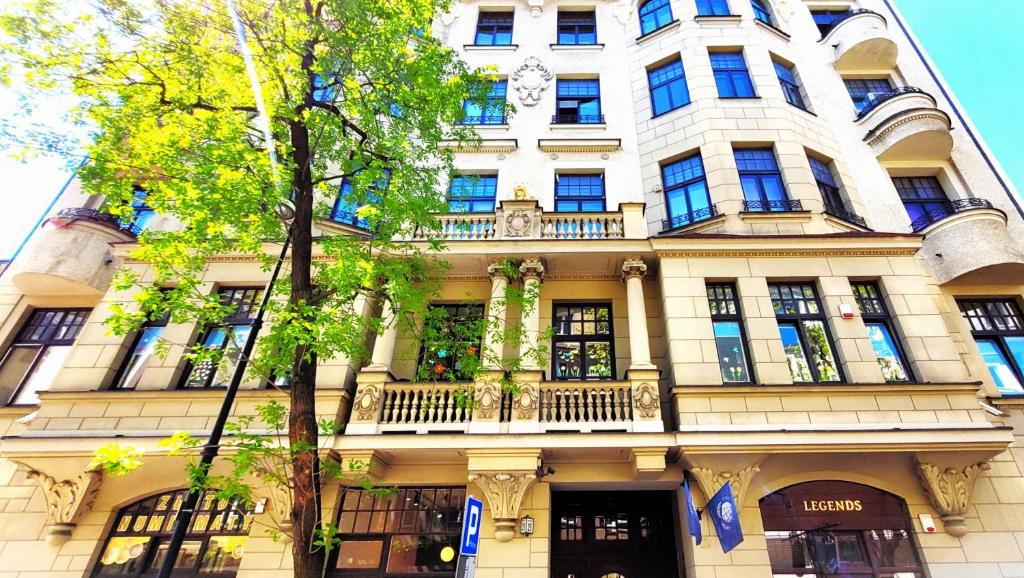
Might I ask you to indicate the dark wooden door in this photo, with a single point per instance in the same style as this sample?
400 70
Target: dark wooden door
612 535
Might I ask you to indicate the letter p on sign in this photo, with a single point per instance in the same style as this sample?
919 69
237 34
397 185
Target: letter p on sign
471 527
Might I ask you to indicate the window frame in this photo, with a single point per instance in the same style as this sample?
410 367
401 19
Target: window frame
714 7
878 313
575 26
652 86
494 27
659 10
566 118
41 346
791 88
579 199
730 74
796 320
995 335
935 208
763 13
493 112
421 356
684 186
129 358
583 340
737 318
861 99
229 324
830 192
826 28
490 185
760 176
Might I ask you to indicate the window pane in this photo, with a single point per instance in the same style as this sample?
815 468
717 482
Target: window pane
888 356
17 364
1016 346
201 372
731 356
50 361
232 353
418 554
821 351
123 556
798 366
223 554
187 556
1002 372
599 361
140 358
568 363
360 554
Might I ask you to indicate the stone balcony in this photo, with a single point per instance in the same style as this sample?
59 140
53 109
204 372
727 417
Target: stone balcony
861 40
71 254
905 125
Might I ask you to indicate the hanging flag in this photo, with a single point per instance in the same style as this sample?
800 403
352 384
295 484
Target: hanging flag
726 518
692 517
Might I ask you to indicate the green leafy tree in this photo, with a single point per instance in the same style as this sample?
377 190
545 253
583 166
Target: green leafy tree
354 91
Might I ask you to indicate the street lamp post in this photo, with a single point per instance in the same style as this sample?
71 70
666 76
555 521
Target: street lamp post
212 447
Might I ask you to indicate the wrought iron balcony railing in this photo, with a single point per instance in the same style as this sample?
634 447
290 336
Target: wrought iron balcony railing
826 30
81 213
690 218
845 215
768 206
878 99
947 209
577 119
487 119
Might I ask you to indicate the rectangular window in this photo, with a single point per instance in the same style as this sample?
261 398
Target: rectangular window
826 19
451 341
805 336
493 111
880 332
583 342
226 339
668 87
577 27
923 198
762 13
654 14
790 87
864 90
141 354
686 192
763 189
578 102
494 29
826 184
730 340
400 531
712 8
998 329
579 193
38 352
731 75
472 193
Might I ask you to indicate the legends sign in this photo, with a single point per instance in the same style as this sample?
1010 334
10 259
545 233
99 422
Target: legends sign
832 505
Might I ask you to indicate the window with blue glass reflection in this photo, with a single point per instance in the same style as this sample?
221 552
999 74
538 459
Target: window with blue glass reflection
472 193
226 339
143 214
493 111
577 27
575 193
143 353
686 191
790 87
494 29
923 198
712 8
654 14
864 90
880 332
668 87
762 12
761 180
578 102
997 327
731 75
730 341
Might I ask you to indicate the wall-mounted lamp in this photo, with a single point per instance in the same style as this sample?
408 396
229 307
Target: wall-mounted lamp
526 525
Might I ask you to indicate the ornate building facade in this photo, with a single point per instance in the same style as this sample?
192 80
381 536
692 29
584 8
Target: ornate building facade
771 250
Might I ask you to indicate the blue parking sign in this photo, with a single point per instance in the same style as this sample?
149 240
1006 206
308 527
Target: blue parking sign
471 527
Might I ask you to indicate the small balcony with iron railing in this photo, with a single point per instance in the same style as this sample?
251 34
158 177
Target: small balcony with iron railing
861 41
577 119
689 219
777 206
841 212
906 124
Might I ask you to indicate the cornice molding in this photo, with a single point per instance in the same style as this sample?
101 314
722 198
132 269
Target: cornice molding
824 252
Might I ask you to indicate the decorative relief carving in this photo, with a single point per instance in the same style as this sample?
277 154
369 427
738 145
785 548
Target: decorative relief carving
518 223
530 80
645 400
521 192
504 492
710 481
526 403
66 501
367 406
485 406
622 11
536 7
950 492
280 501
633 267
533 267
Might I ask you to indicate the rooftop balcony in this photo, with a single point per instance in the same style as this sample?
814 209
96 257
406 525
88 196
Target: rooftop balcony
861 40
967 242
71 254
905 124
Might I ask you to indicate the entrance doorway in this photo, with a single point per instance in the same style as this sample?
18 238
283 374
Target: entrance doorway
613 535
834 529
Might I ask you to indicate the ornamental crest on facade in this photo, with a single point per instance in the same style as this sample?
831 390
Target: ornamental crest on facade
530 80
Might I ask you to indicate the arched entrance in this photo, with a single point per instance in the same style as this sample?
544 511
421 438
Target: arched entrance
832 529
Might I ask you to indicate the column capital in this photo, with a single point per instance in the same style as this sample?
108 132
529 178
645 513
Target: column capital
497 270
532 267
633 267
711 481
66 500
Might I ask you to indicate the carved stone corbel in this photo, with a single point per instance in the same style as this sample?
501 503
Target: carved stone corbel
66 501
710 481
536 7
950 492
504 492
280 498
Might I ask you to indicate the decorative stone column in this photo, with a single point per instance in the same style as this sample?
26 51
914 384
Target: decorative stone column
66 501
384 346
950 492
711 481
493 343
633 272
533 273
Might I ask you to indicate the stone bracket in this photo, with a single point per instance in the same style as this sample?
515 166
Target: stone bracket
950 492
66 501
504 492
710 481
648 463
370 463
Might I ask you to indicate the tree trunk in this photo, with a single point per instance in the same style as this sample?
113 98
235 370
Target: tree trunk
309 560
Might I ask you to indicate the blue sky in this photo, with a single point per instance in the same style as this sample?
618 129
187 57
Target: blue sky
975 46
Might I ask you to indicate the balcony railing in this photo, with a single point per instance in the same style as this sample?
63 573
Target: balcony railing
582 226
415 404
81 213
826 30
842 213
485 120
877 99
524 219
577 119
772 206
687 219
948 208
575 404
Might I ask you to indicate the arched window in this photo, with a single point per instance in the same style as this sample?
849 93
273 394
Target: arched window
137 544
654 14
762 12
